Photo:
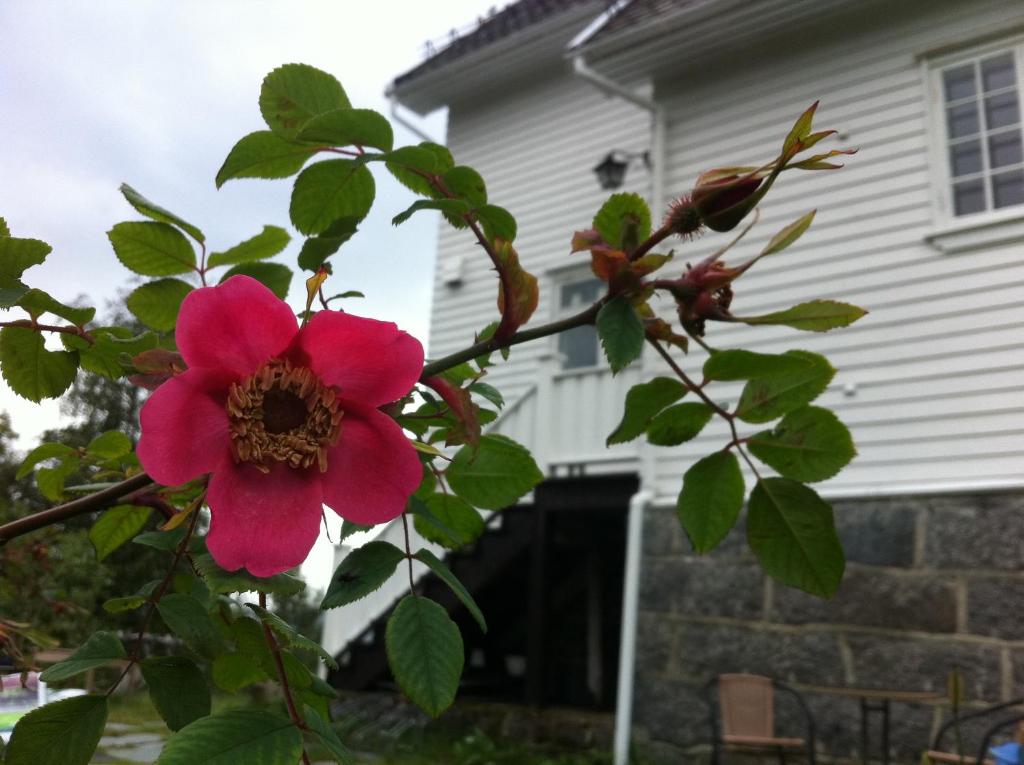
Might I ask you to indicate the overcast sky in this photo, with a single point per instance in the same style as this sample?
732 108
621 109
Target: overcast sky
155 93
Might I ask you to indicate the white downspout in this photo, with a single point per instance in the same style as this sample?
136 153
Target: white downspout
397 117
638 505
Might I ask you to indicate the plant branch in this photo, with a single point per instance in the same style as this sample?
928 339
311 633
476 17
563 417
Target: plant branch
69 329
653 240
140 484
282 675
408 553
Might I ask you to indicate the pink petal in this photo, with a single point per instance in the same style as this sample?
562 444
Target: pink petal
372 469
264 522
185 426
236 325
372 362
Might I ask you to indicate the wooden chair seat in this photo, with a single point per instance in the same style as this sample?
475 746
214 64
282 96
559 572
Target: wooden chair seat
763 741
952 757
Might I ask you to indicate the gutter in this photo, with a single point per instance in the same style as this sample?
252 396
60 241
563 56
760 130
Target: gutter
639 503
396 116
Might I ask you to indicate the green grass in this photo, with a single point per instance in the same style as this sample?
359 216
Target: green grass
7 719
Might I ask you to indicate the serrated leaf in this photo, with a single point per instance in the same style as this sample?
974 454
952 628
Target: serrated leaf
237 737
156 212
449 206
711 499
495 474
328 737
643 401
498 222
814 316
4 229
37 302
809 444
111 349
117 526
177 688
186 618
348 528
233 671
156 304
264 154
623 221
275 276
50 481
409 164
326 191
32 371
789 234
101 648
64 732
445 574
109 445
152 249
316 249
224 582
290 636
466 183
363 571
621 331
746 365
449 521
489 392
678 424
349 127
167 541
766 399
17 256
266 244
293 94
39 454
801 128
425 653
791 530
518 292
123 604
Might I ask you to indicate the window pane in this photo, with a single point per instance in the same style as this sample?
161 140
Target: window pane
959 82
579 347
963 120
968 197
997 72
1000 111
965 158
1004 149
1008 188
579 295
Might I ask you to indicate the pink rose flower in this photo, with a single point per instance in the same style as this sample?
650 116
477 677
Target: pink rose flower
284 420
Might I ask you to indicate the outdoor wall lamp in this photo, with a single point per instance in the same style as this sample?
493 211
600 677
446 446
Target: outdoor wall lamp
612 169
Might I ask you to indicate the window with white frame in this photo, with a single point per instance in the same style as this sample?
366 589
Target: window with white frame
578 346
981 114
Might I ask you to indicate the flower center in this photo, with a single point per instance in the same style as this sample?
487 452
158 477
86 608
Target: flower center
283 413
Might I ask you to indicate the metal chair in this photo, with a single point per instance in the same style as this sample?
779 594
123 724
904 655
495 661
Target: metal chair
940 752
744 717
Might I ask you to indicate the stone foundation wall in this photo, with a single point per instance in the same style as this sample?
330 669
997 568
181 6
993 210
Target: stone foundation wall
931 583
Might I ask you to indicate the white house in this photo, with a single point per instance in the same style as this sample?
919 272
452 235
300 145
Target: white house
924 228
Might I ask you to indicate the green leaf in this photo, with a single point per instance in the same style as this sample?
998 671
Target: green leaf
495 474
17 256
294 93
678 424
711 499
266 244
409 164
425 653
237 737
328 737
349 127
364 570
123 604
51 480
445 575
4 229
621 331
465 183
766 399
264 154
110 445
316 249
330 190
800 129
40 454
12 293
152 249
186 618
290 636
233 671
498 222
747 365
112 349
117 526
815 316
275 276
643 401
101 648
790 529
809 444
61 733
449 206
789 234
37 302
156 212
489 392
156 304
32 371
224 582
449 521
177 688
624 221
167 541
348 528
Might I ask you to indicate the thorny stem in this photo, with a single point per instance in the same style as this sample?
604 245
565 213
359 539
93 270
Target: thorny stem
408 553
69 329
282 676
656 238
202 264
